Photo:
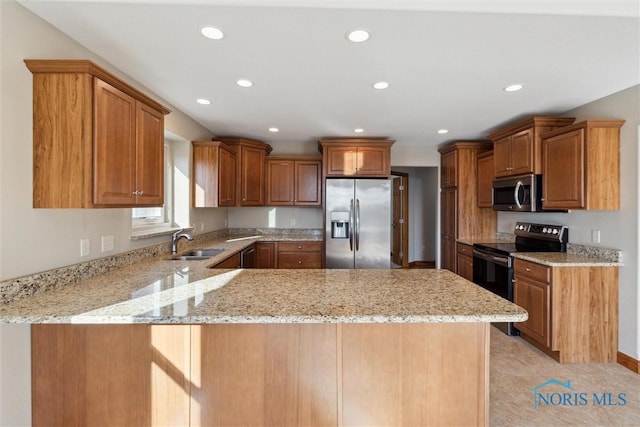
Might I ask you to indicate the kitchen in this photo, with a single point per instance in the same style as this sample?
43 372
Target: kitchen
58 231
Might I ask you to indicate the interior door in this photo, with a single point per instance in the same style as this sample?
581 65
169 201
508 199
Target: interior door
400 220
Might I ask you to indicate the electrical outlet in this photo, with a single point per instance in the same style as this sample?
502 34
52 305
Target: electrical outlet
595 236
85 247
202 226
107 243
293 222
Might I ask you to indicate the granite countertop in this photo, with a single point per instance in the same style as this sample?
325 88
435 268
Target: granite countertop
576 255
565 259
160 291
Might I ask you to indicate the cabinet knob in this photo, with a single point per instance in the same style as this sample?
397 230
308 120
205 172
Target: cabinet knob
527 269
300 262
299 247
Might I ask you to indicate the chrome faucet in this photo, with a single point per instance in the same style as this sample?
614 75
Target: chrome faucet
175 238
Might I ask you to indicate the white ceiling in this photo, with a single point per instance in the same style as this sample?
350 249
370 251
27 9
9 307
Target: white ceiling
446 61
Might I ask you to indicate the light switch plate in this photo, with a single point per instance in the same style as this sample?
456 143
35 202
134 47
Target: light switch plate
595 236
107 243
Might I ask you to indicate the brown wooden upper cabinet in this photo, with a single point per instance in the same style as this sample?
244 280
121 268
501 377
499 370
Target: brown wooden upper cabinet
97 142
250 166
351 157
213 183
485 179
294 181
517 149
581 166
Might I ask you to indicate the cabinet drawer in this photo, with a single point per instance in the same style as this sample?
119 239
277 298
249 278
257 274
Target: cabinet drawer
464 249
299 260
533 270
299 246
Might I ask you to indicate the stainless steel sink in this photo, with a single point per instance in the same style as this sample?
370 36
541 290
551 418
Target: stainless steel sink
198 254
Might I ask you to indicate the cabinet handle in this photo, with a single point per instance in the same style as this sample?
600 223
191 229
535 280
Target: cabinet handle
140 192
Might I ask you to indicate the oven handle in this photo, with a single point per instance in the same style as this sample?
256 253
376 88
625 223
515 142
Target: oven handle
492 258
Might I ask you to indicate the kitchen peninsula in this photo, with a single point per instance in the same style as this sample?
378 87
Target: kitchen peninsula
175 342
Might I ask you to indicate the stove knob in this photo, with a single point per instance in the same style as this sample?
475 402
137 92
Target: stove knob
544 230
555 231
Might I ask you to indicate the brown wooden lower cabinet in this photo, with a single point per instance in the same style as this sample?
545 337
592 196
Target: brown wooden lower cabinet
261 374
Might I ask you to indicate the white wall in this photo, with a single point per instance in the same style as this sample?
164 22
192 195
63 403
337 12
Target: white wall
618 229
51 235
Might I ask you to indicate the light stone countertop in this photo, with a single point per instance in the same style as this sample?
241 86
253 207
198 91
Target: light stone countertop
162 291
564 259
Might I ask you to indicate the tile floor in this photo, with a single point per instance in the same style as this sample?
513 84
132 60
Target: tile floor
517 367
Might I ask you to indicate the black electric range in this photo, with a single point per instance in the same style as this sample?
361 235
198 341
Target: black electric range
493 262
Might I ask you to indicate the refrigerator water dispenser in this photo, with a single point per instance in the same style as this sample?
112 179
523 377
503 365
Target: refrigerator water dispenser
339 225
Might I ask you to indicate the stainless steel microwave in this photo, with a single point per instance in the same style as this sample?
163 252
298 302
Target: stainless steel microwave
521 193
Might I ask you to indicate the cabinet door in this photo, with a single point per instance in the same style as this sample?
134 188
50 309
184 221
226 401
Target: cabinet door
534 297
265 255
502 157
149 156
227 178
252 177
372 161
522 152
465 266
280 182
114 174
341 161
448 232
448 175
485 181
563 171
308 183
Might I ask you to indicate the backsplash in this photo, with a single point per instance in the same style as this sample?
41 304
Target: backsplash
25 286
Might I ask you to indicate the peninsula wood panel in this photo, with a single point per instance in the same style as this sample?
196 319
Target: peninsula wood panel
110 375
433 374
265 375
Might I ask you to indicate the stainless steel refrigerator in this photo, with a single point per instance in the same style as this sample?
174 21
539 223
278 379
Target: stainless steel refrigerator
358 223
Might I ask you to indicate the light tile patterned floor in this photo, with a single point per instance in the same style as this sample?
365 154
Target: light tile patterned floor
517 367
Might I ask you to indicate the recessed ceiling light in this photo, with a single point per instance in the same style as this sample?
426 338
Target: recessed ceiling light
274 130
513 88
381 85
358 36
203 101
244 83
212 33
358 130
443 131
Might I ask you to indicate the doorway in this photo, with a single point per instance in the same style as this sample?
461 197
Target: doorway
400 220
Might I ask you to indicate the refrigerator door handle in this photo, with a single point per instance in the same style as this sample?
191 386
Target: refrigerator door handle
351 223
357 224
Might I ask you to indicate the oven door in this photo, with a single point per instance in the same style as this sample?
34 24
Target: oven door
493 272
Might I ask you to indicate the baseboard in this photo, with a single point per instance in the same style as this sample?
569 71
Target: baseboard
629 362
422 264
